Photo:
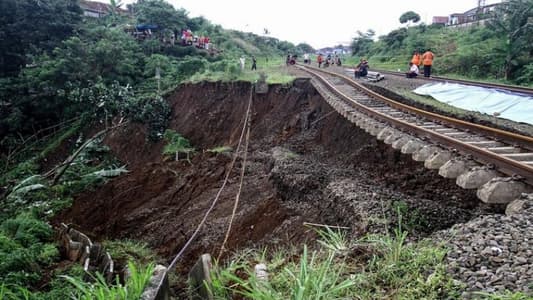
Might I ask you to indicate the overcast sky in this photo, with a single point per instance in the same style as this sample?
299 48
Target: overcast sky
320 24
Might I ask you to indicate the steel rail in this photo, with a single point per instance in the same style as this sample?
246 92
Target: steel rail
511 88
504 164
506 136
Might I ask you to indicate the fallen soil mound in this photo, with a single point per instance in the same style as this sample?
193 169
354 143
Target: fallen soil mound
305 164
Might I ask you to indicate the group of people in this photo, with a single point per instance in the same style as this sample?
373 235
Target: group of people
242 62
425 59
328 61
187 38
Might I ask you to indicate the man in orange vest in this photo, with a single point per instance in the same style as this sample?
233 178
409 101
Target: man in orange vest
416 58
427 61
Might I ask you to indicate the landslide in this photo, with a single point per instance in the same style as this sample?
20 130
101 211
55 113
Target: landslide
305 164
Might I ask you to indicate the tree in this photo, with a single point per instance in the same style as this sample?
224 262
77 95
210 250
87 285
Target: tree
160 13
33 24
394 39
305 48
409 17
512 20
362 42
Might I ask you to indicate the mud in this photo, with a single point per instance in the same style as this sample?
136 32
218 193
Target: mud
305 164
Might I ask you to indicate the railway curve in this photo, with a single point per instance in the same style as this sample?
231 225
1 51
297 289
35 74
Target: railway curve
498 163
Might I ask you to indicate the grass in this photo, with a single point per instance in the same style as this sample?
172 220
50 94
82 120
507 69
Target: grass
101 290
123 251
220 149
27 248
374 267
274 69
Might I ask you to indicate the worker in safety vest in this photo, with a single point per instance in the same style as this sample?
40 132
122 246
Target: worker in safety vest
416 58
427 61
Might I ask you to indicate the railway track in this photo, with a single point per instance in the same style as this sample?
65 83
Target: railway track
499 164
510 88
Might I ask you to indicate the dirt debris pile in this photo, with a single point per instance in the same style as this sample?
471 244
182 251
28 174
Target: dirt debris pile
306 164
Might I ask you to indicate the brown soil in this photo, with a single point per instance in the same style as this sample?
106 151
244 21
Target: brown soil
305 165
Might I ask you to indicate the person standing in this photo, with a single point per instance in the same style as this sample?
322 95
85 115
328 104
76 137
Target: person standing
427 60
254 63
319 60
242 60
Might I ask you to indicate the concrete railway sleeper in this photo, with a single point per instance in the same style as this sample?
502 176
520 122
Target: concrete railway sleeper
498 164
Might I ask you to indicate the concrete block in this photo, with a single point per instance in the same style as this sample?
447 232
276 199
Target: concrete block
455 167
261 86
158 287
501 190
200 278
376 129
399 143
476 177
384 133
412 146
74 250
392 137
437 159
361 121
425 152
518 206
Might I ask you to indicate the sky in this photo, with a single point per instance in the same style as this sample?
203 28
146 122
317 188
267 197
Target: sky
319 24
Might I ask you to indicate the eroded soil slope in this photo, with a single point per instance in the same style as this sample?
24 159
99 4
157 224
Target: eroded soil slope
305 164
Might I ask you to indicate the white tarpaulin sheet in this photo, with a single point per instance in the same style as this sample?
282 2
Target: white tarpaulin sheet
510 106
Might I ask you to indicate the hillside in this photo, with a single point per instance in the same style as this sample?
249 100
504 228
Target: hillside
118 128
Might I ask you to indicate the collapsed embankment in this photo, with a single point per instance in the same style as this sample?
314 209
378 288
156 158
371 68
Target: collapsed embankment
305 164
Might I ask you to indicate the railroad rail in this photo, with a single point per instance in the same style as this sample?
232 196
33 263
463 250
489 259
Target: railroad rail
510 88
496 162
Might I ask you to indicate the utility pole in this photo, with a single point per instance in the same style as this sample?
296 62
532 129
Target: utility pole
158 77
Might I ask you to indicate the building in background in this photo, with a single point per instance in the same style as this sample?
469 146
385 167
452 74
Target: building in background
477 15
95 9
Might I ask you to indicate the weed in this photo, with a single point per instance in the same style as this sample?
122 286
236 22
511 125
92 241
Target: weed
176 144
220 149
410 218
100 289
129 250
393 269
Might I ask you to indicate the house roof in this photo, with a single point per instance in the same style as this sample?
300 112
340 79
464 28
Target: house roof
440 20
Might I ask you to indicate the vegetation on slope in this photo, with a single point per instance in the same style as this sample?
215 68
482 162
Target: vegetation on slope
502 50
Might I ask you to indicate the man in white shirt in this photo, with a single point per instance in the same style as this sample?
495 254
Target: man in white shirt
242 60
413 71
306 59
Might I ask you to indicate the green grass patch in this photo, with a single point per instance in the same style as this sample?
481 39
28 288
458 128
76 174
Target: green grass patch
274 69
123 251
99 289
374 267
220 149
